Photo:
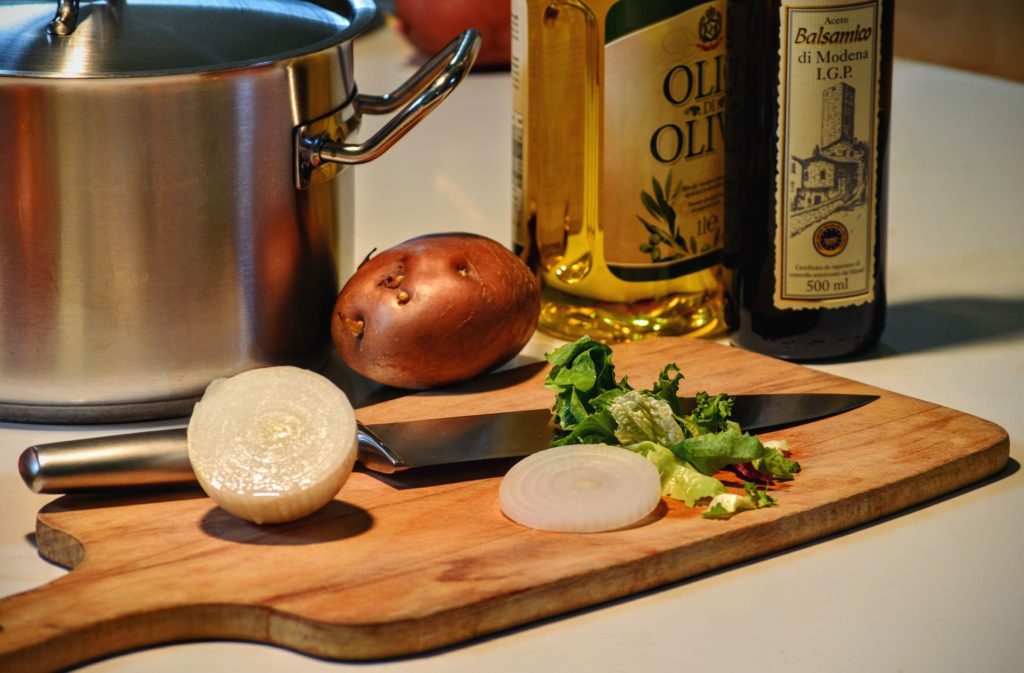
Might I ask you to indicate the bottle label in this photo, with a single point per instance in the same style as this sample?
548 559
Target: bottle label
827 136
519 37
663 162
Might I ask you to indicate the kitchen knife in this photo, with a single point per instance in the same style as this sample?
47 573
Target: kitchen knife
161 457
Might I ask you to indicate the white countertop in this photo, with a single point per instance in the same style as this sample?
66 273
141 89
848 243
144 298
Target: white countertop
938 588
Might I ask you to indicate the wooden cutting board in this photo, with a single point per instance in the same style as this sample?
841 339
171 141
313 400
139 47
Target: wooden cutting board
402 565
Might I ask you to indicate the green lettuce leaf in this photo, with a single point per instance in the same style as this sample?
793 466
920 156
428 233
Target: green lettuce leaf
679 479
776 466
709 453
727 505
709 415
758 494
774 463
642 417
582 373
605 399
667 387
597 428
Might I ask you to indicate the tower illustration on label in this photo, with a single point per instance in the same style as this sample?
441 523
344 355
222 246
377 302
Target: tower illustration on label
833 177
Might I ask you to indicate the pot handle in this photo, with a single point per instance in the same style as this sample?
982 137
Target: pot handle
65 20
430 85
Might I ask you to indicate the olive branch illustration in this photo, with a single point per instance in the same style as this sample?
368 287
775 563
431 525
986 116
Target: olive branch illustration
662 231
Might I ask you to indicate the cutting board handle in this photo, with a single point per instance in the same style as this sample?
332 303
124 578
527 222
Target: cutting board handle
101 608
75 618
45 630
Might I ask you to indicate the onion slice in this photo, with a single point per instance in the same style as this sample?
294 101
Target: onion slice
273 444
580 488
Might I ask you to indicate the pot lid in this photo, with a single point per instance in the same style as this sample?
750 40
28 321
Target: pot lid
133 38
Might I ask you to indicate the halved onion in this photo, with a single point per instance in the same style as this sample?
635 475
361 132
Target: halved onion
273 444
580 488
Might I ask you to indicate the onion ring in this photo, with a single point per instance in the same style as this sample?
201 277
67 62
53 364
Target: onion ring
580 488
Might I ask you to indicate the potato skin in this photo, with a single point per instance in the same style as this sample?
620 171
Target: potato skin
435 310
429 26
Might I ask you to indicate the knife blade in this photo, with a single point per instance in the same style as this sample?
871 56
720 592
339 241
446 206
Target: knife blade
514 434
161 457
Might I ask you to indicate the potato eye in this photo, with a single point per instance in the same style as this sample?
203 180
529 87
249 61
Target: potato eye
355 326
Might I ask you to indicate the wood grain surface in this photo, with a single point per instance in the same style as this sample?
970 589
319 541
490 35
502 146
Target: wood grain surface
399 565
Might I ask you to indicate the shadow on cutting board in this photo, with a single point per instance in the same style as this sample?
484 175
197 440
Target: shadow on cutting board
363 392
335 521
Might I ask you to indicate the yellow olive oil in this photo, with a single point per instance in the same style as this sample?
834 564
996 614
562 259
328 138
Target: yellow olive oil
619 163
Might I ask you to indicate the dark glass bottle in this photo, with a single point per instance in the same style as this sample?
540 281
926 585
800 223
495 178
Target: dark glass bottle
806 222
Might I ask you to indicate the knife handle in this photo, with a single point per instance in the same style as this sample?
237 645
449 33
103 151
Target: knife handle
139 459
98 463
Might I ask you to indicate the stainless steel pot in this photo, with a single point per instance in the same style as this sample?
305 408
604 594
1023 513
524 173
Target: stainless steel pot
175 204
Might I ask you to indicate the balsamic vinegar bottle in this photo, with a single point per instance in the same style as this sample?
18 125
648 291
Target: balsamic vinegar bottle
806 226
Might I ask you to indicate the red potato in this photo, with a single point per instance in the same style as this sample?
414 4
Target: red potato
430 25
435 310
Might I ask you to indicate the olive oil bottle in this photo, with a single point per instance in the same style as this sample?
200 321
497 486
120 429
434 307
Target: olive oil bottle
807 238
619 163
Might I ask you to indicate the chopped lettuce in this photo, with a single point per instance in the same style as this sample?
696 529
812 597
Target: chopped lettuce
774 462
725 505
582 374
712 452
758 494
597 428
679 479
667 387
709 415
592 406
643 417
